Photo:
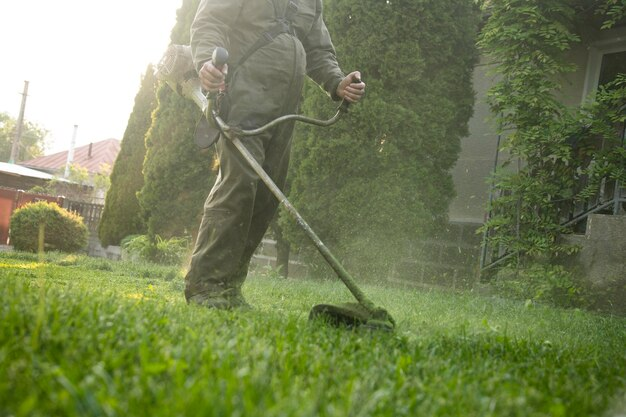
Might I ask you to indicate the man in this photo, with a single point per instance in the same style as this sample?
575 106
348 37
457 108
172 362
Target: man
272 45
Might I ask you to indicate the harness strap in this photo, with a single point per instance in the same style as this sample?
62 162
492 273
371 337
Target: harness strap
283 24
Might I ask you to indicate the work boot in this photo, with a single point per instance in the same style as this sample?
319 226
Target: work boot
229 299
238 301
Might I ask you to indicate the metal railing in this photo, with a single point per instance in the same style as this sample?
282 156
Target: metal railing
610 199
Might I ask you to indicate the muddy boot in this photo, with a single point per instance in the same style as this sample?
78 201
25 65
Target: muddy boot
229 299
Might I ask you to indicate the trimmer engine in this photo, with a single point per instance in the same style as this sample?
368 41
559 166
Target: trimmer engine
177 70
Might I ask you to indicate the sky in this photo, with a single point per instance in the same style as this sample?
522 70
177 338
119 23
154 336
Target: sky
84 61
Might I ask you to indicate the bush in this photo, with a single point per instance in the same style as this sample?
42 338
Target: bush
162 251
63 230
544 283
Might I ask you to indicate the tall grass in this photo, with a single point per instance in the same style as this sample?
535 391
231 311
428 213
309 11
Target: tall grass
84 337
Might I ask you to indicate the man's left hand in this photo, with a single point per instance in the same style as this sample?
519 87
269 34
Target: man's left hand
351 88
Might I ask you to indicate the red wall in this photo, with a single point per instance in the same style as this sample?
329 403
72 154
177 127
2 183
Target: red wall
7 198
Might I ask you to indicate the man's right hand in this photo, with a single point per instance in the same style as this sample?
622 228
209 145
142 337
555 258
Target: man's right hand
213 79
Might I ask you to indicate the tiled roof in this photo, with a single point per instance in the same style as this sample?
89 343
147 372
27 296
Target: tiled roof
92 157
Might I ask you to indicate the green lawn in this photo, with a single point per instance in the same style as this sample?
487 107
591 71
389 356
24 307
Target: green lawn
88 337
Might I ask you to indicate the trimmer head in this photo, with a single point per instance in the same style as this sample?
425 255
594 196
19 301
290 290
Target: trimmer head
353 315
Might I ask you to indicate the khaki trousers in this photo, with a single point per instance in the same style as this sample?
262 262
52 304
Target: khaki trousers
240 207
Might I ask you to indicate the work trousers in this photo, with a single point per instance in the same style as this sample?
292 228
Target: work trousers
240 207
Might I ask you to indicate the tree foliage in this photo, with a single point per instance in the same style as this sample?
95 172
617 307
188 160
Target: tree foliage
379 179
122 215
527 40
177 177
600 154
552 145
80 184
32 141
613 11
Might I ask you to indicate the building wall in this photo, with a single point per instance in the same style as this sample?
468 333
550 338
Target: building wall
476 162
478 150
449 260
477 155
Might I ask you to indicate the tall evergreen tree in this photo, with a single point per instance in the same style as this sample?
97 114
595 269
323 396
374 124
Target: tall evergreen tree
122 215
379 179
177 177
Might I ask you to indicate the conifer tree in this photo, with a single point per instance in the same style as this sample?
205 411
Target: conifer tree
379 180
177 176
122 215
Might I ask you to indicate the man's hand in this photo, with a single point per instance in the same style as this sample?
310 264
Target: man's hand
211 78
350 89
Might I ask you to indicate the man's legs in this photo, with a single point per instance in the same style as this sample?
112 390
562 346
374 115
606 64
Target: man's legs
225 223
265 203
237 214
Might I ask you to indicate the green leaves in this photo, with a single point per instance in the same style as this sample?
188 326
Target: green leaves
31 143
158 250
177 178
380 179
614 12
555 148
527 40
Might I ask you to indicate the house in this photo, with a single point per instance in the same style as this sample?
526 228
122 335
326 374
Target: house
96 158
598 59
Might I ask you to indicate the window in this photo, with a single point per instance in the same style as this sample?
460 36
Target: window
612 64
606 60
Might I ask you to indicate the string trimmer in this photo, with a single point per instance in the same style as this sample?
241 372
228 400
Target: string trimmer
177 70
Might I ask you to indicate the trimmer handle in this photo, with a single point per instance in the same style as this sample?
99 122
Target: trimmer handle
220 57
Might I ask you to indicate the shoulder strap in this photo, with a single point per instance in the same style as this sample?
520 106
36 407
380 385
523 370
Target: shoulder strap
283 24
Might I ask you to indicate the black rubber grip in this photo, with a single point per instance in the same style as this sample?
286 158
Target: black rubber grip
220 57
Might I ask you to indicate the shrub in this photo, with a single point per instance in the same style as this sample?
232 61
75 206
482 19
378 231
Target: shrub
162 251
63 230
544 283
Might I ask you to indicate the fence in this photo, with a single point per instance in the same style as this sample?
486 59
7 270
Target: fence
91 213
